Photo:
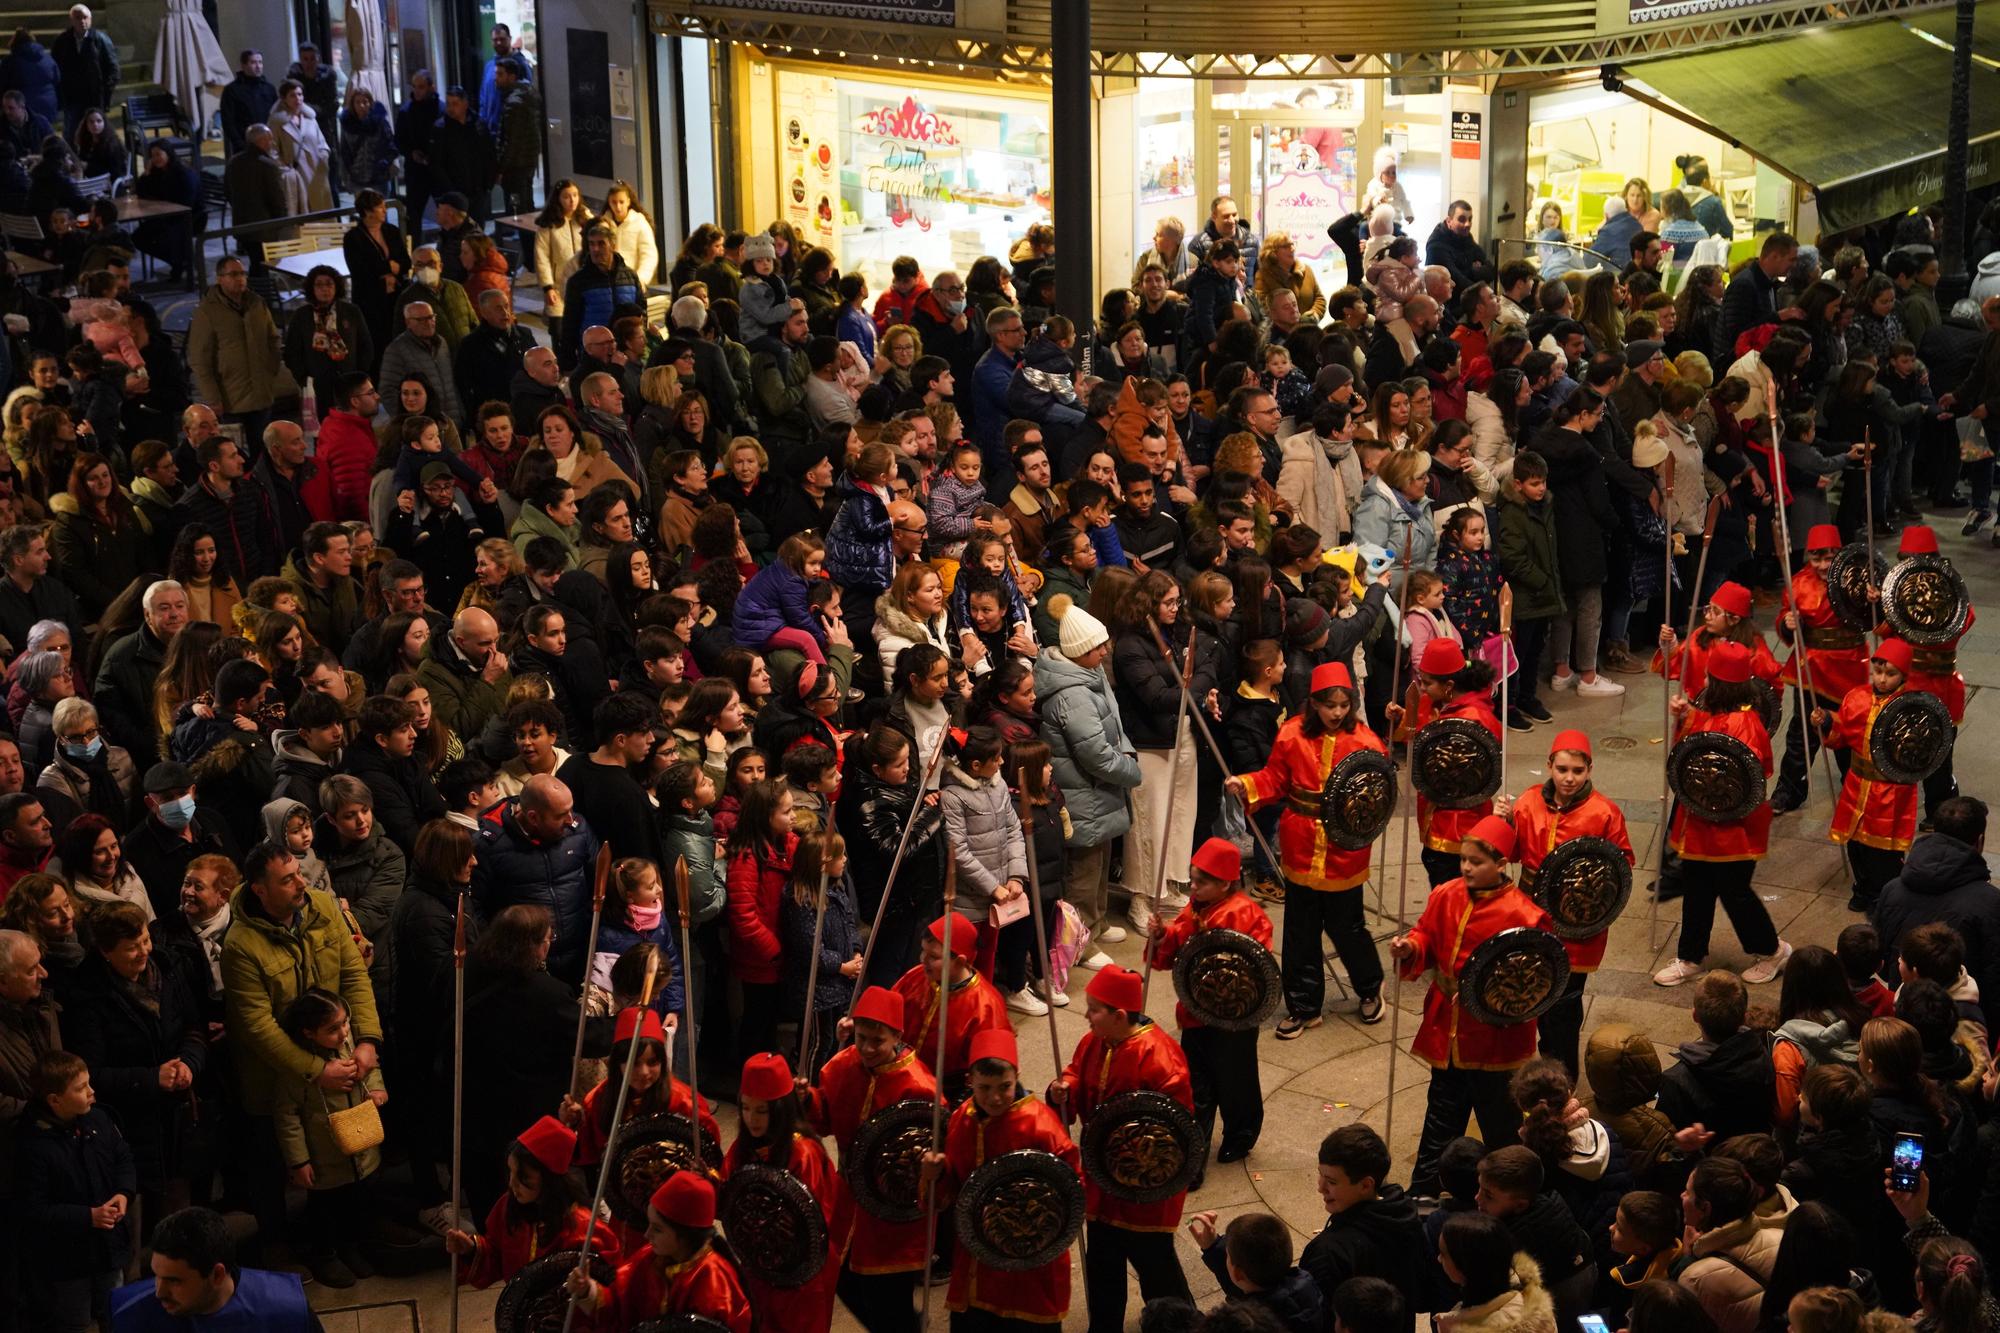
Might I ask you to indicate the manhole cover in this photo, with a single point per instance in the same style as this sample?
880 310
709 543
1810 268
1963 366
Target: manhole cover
1616 743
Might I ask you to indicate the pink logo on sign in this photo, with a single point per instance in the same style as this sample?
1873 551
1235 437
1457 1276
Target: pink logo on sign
910 122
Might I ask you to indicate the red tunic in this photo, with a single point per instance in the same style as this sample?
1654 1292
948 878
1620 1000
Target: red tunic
705 1285
1762 665
1444 830
1835 671
507 1248
590 1135
848 1093
1039 1295
807 1308
1235 910
975 1007
1296 770
1148 1060
1454 923
1541 827
1871 810
1936 669
1745 839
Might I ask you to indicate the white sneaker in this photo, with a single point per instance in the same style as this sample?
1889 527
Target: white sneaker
1114 934
1139 912
1677 972
1060 999
1026 1002
438 1218
1602 688
1767 969
1563 682
1098 959
1176 896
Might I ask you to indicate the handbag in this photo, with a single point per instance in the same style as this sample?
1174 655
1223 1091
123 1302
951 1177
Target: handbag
355 1129
1003 914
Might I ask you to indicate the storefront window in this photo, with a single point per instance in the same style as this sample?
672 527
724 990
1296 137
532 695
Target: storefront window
1166 158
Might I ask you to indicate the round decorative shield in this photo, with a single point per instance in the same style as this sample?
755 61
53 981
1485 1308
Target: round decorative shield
1455 762
1770 703
1583 885
1847 582
1716 776
1515 976
535 1299
1359 799
1911 736
773 1223
1227 980
649 1150
1924 600
1019 1210
1143 1147
884 1165
680 1323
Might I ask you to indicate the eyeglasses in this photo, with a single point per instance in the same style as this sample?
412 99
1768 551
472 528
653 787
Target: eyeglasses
917 531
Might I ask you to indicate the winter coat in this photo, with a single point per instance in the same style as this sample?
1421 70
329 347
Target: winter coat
125 1040
1148 699
97 559
519 1027
512 867
1394 284
1294 1301
590 297
31 71
766 303
461 698
860 555
615 938
983 830
1583 505
70 787
64 1171
1526 1308
840 941
773 600
1380 518
1841 1168
691 838
1461 254
303 1122
779 373
233 351
265 966
1309 482
1209 296
1095 763
873 814
896 629
1944 880
1381 1238
1528 556
422 930
1725 1085
1624 1075
367 149
1728 1268
407 354
756 884
405 797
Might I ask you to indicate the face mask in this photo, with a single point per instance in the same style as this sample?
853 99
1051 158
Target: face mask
645 918
954 308
428 276
177 813
87 752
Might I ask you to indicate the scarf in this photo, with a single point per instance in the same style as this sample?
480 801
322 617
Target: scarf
326 338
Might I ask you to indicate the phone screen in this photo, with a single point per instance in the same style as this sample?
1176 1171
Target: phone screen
1906 1161
1591 1323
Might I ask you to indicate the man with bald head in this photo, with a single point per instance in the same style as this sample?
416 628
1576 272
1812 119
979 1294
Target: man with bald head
539 852
908 525
537 387
600 399
466 672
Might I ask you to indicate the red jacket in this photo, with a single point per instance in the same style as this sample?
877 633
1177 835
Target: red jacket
491 275
1542 827
785 1309
1745 839
346 454
1039 1295
1235 910
893 307
1148 1060
1936 669
1444 830
848 1093
1297 768
1762 665
1834 671
590 1135
705 1285
1455 922
975 1007
756 886
505 1249
1870 810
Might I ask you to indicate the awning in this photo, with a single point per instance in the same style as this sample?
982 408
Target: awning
1858 113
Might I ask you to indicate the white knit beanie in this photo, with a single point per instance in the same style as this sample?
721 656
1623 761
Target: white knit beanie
1079 630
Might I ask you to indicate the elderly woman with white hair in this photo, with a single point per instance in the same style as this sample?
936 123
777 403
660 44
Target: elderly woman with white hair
47 679
86 774
43 635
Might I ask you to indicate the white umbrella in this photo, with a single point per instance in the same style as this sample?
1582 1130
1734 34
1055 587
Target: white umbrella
368 50
188 60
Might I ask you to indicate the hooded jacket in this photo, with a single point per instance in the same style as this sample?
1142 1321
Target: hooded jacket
1944 880
1727 1270
1380 1238
1296 1301
1095 763
298 770
1525 1308
1624 1075
984 829
1726 1085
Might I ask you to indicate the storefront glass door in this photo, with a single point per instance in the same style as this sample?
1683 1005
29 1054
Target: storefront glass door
1288 155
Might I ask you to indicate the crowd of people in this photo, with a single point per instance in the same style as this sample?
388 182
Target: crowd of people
859 621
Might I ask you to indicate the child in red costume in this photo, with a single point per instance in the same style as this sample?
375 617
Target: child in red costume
771 1121
976 1005
678 1273
881 1259
1566 806
539 1212
1875 818
1323 881
1934 669
1447 686
999 1118
1726 619
1222 1066
1471 1061
1124 1051
1717 861
1836 657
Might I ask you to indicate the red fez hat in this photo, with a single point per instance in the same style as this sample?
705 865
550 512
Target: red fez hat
1733 598
767 1077
645 1021
1823 537
1897 654
994 1044
1442 657
1571 740
1327 675
1918 539
1219 857
1729 662
1496 833
686 1200
550 1142
964 936
1118 988
881 1005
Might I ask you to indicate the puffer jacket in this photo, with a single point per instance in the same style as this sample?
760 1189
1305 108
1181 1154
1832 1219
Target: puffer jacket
766 304
1624 1072
778 374
774 599
691 838
367 875
1095 763
984 831
1380 519
590 297
860 556
1526 1308
1727 1270
873 814
72 783
756 883
267 965
233 351
1944 880
511 867
896 629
